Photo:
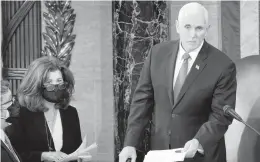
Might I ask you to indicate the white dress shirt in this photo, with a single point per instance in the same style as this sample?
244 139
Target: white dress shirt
193 55
57 132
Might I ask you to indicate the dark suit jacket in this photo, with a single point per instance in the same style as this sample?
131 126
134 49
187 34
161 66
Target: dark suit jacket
6 154
29 136
210 84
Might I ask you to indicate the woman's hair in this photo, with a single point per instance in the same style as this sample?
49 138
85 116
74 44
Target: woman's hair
31 88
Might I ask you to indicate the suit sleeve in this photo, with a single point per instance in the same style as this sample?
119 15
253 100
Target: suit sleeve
141 106
214 129
6 155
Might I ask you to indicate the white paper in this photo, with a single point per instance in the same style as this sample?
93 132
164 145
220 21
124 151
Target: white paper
83 150
172 155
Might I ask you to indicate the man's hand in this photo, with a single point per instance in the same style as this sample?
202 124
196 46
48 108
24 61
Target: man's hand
127 152
191 147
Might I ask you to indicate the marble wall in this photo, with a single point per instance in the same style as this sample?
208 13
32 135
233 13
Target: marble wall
137 26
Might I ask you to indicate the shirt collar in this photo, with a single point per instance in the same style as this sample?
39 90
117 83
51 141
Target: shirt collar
193 54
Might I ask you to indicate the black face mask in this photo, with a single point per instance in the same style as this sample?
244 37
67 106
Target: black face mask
56 94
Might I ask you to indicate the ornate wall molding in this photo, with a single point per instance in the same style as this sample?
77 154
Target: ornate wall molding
21 25
16 20
60 20
15 73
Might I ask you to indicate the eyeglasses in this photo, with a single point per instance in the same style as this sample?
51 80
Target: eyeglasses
52 87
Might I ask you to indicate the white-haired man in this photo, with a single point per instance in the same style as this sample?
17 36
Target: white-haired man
185 83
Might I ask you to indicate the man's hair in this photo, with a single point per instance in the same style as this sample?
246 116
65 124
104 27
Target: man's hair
198 5
31 88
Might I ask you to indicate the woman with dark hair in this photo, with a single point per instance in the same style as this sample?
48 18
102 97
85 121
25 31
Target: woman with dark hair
48 128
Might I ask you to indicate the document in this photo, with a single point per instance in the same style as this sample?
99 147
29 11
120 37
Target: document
172 155
82 151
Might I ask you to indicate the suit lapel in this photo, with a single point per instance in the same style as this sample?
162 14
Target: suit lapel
197 67
170 67
39 121
3 145
64 129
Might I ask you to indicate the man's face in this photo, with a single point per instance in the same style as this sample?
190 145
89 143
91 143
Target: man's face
4 116
192 29
4 112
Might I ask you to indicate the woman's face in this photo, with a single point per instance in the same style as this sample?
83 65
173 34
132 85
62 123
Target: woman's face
54 77
54 88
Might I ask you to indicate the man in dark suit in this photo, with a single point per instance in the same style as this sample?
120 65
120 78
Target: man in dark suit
185 83
8 153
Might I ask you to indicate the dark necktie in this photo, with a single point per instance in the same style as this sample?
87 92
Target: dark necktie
181 76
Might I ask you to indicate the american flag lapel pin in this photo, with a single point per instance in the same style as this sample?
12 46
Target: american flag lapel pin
197 67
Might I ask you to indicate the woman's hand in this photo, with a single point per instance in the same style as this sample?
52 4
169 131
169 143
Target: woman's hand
53 156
